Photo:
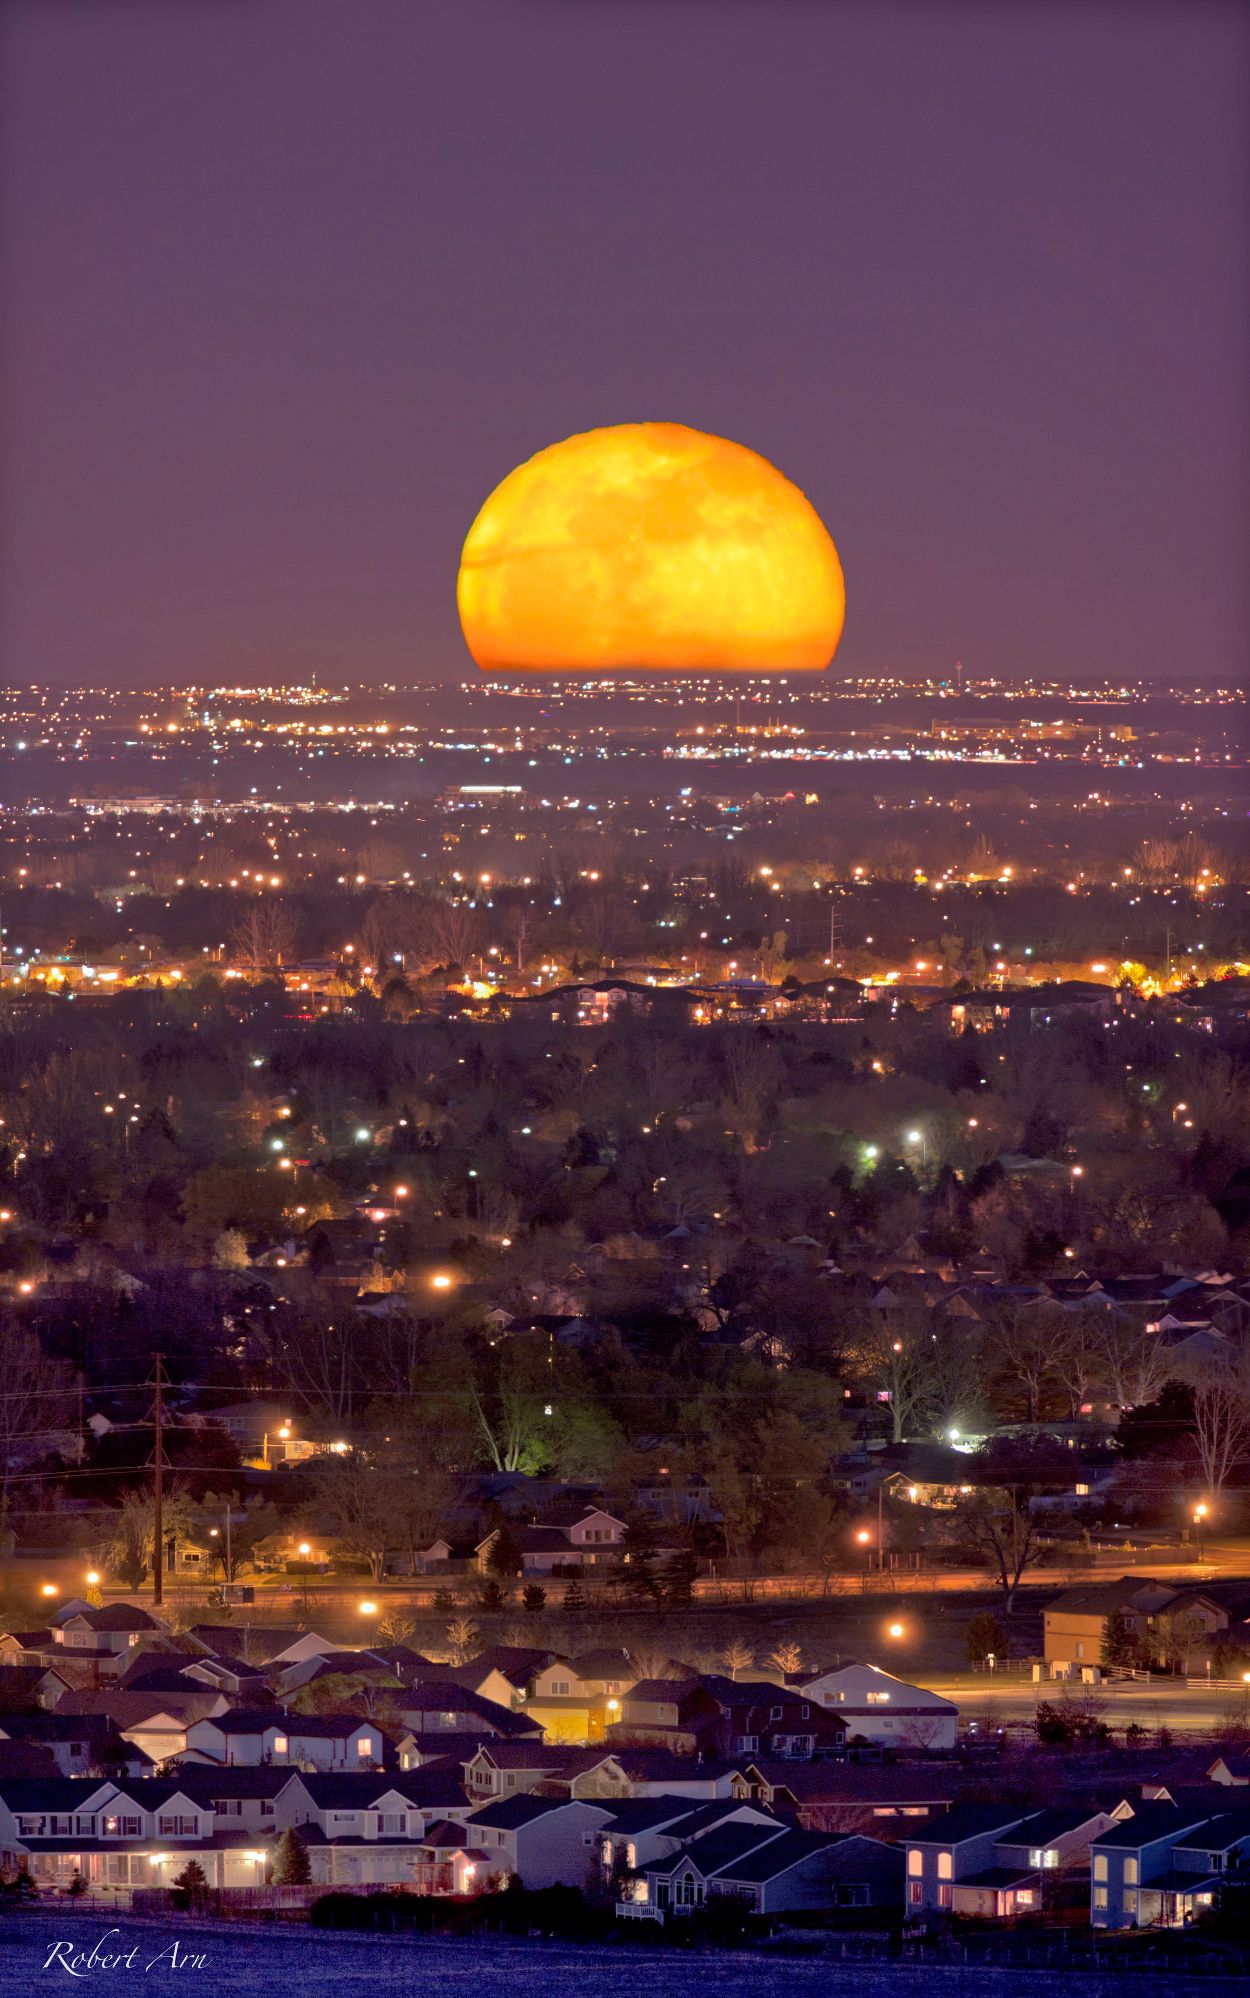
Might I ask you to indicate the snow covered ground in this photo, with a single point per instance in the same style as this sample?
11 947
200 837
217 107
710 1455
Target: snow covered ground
213 1961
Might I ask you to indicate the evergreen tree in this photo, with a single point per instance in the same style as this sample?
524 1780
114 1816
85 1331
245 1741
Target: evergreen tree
290 1860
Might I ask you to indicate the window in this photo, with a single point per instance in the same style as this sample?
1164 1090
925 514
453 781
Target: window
1024 1897
560 1689
1130 1900
1100 1867
281 1745
748 1744
945 1866
805 1712
364 1747
228 1807
1100 1897
944 1897
774 1713
1132 1872
915 1862
915 1893
1080 1647
174 1826
878 1699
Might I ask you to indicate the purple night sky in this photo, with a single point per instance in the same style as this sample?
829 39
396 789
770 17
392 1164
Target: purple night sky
291 284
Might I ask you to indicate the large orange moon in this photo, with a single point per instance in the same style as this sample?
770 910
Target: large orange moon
652 546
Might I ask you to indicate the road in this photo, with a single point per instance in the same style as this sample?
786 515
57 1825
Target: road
1011 1700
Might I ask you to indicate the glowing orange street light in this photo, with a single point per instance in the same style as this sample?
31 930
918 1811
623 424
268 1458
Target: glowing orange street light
440 1281
368 1609
896 1630
49 1589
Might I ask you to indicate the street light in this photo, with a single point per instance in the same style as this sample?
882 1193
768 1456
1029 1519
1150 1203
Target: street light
368 1609
864 1538
92 1578
49 1589
1200 1513
918 1138
896 1630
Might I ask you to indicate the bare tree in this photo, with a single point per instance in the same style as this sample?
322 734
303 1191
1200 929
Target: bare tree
1222 1425
1003 1531
264 935
36 1398
453 932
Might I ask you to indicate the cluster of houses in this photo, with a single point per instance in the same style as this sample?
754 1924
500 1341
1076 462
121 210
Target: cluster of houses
126 1753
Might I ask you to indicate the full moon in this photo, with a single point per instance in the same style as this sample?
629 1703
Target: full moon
650 546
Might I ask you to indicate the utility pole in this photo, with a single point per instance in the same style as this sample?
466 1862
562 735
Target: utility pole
835 930
158 1486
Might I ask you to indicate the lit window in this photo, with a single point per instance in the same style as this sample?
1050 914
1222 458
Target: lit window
280 1744
915 1862
1131 1874
1100 1866
944 1866
1100 1897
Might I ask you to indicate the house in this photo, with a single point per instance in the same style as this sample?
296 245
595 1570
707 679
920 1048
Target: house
951 1866
439 1706
364 1830
33 1683
504 1769
155 1722
1136 1873
543 1841
240 1799
574 1699
848 1796
79 1744
644 1829
502 1673
118 1836
668 1713
1233 1769
254 1735
769 1867
960 1847
1154 1614
105 1638
509 1768
657 1772
448 1865
876 1706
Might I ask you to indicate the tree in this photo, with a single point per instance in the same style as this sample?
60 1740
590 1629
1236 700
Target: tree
134 1531
361 1496
291 1866
1222 1425
533 1598
984 1638
464 1638
737 1657
264 936
192 1884
1003 1532
505 1558
788 1658
1121 1646
36 1395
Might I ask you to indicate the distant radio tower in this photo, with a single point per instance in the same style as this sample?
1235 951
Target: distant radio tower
959 676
